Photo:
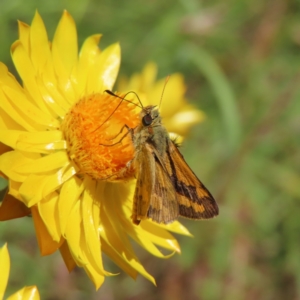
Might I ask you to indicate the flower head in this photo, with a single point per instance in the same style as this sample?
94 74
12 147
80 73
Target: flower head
59 127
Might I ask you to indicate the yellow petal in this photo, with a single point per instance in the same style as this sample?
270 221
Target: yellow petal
48 211
64 53
5 267
40 142
96 207
45 184
64 45
26 293
14 187
116 256
69 195
133 85
14 115
91 242
182 121
43 141
95 277
88 55
73 235
46 244
29 111
177 227
26 70
114 235
121 253
49 87
173 97
24 32
44 164
39 45
105 70
41 137
159 236
125 226
10 161
143 83
148 244
7 79
127 261
59 108
10 137
136 232
6 121
90 225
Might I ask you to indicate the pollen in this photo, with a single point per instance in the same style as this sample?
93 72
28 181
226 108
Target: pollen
99 143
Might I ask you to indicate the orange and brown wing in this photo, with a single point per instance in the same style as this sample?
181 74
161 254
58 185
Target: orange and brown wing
164 206
155 196
195 201
144 164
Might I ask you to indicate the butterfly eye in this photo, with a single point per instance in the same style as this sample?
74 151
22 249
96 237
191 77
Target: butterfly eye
147 120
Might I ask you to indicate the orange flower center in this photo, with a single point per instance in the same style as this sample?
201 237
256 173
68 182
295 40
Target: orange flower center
96 142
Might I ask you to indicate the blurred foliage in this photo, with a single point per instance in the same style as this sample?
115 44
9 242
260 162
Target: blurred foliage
241 63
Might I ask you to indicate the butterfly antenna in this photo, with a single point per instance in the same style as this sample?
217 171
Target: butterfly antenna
162 94
122 99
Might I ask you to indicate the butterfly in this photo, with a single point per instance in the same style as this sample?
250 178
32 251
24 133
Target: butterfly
166 187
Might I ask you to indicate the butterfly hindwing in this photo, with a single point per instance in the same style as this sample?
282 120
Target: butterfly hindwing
144 163
164 206
155 196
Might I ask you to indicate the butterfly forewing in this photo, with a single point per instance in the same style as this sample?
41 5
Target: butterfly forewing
195 201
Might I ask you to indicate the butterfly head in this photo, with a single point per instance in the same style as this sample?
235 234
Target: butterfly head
150 115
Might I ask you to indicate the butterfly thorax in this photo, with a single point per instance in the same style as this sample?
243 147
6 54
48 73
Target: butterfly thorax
151 131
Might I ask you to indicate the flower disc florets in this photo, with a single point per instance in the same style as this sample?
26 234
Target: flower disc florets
98 142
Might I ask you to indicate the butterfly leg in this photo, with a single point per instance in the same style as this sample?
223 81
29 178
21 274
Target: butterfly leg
129 130
125 126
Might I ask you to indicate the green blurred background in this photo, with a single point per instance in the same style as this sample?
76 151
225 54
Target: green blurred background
241 60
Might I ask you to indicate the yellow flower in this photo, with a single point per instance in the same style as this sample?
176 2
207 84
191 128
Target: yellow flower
178 116
58 125
26 293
